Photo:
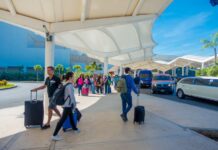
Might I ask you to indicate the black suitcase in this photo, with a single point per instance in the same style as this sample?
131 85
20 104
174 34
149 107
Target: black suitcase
139 114
33 113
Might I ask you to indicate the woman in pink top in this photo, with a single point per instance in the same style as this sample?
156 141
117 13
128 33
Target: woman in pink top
80 82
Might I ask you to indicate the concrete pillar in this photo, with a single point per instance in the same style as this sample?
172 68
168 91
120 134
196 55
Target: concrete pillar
105 65
49 61
183 71
187 70
174 71
121 70
49 53
202 65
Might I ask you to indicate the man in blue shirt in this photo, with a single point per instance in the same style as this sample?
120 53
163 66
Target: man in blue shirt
127 97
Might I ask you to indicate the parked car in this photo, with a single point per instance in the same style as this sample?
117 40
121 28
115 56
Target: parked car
163 83
145 78
201 87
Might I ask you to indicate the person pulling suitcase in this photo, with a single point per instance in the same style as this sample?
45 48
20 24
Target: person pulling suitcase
52 82
127 97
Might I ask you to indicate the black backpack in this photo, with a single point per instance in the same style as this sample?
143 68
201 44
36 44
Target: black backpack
58 96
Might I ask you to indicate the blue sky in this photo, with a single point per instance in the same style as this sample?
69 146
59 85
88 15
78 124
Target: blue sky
177 31
183 24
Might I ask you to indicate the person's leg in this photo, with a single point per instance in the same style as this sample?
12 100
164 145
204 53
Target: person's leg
123 103
97 88
57 111
129 103
50 107
93 89
123 115
101 88
49 116
79 89
60 122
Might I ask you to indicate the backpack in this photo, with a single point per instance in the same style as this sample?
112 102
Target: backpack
58 96
121 86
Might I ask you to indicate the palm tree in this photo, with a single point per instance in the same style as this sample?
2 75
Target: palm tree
68 69
78 68
213 43
60 69
37 68
99 67
88 68
93 65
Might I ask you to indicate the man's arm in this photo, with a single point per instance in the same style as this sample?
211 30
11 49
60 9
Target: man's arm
134 87
38 88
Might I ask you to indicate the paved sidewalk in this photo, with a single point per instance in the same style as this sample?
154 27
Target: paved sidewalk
102 128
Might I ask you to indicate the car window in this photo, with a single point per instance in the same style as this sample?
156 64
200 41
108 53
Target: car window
144 75
214 83
187 81
162 78
204 82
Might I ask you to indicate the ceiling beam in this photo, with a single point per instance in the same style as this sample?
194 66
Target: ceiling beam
11 7
97 23
138 7
84 10
23 21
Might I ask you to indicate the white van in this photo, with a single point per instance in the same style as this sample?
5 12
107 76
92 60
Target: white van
201 87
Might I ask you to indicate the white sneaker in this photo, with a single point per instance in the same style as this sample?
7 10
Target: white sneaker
56 138
76 131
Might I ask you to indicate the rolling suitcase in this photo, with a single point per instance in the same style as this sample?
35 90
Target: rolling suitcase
67 125
33 113
139 114
85 91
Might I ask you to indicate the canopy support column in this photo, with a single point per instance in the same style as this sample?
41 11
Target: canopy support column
202 65
49 61
105 65
121 70
49 52
183 71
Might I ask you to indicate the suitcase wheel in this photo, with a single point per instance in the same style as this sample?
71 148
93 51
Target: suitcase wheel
27 127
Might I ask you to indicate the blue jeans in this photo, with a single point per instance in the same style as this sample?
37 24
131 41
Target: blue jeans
93 88
106 86
79 89
126 103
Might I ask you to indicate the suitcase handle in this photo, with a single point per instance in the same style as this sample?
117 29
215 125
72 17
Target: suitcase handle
31 97
137 102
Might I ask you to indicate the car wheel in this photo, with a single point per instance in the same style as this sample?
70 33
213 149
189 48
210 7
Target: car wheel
180 94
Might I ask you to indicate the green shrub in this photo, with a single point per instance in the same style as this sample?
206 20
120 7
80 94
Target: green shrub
210 71
3 83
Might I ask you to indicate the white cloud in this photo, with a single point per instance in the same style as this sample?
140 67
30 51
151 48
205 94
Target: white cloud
186 26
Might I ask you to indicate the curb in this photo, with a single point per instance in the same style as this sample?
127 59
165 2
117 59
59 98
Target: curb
9 88
209 132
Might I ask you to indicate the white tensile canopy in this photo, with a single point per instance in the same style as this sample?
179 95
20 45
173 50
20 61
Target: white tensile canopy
183 61
115 31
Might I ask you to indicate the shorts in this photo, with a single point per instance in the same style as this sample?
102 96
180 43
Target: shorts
51 105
